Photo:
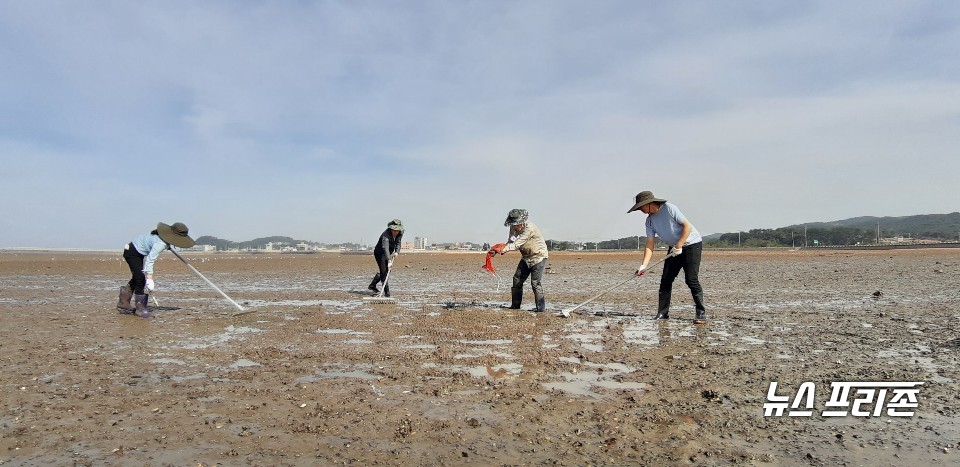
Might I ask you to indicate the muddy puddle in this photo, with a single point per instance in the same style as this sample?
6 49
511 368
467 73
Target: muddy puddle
446 376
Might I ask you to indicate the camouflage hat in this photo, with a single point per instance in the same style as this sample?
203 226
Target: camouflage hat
516 217
395 225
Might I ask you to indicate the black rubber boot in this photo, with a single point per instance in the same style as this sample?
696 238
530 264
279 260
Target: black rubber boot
663 304
541 304
123 303
142 309
701 317
516 297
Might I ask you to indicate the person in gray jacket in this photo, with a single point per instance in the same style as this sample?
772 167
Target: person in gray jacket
387 249
526 238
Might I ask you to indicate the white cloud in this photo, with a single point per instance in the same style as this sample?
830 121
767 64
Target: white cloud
325 120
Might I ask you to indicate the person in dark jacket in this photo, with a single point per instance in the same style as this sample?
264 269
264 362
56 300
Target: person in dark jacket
140 254
386 250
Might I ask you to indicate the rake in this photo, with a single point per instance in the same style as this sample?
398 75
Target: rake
240 308
566 312
379 298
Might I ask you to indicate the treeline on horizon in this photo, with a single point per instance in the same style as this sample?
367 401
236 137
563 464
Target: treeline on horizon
854 231
755 238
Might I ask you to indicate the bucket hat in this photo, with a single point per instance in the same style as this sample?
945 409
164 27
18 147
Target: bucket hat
395 225
176 234
644 198
516 217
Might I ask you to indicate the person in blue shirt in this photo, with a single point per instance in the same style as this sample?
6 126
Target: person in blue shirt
665 220
387 249
140 254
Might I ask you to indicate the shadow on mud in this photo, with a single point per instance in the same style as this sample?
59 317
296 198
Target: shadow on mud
954 343
473 304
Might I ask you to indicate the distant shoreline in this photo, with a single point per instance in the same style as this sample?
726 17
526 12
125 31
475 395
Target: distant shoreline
405 252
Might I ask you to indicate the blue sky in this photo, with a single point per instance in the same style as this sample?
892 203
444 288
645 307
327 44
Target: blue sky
324 120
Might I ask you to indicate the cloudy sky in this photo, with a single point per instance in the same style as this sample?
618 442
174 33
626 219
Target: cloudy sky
323 120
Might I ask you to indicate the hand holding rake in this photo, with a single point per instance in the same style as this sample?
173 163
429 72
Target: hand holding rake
566 312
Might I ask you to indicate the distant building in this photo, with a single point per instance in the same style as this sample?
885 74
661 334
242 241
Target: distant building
420 243
406 246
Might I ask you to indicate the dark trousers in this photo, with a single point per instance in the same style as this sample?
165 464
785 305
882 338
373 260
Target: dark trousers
535 273
381 277
135 260
689 261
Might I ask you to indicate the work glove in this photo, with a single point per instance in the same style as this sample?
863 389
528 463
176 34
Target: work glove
150 286
676 251
641 271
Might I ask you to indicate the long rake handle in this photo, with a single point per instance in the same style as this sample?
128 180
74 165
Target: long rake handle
206 280
385 279
632 277
601 293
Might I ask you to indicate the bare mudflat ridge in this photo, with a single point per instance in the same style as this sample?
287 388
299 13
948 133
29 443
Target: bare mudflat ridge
315 376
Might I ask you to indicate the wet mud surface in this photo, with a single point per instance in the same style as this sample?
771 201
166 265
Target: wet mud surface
315 376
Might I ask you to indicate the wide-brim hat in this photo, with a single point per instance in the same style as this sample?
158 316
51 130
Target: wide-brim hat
516 217
395 225
176 234
644 198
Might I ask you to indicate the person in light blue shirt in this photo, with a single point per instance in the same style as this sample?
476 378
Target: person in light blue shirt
140 254
665 220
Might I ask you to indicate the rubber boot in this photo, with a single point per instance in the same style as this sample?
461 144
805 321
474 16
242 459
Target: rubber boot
516 297
663 304
701 317
373 284
123 303
142 309
541 304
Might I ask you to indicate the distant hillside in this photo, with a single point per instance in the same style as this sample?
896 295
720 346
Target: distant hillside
945 226
257 243
853 231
